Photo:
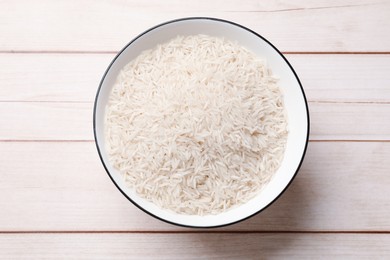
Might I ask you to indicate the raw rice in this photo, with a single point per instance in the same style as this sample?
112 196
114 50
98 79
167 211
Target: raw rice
196 125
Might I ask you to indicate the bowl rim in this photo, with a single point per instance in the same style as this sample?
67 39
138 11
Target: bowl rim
215 20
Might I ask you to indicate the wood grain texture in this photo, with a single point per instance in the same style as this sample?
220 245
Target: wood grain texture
108 25
75 77
73 121
46 121
334 121
51 77
63 187
344 78
194 246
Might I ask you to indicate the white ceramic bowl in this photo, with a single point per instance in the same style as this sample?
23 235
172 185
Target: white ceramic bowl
294 98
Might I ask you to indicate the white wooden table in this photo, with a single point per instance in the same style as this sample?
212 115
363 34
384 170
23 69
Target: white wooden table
56 201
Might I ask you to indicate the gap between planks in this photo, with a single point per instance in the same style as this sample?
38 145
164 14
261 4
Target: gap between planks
115 52
194 232
301 8
91 102
91 141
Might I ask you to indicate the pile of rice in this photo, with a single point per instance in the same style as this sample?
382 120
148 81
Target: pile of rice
196 125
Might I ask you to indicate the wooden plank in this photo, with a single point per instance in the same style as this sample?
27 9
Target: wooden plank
338 121
300 26
45 121
73 121
194 246
75 77
344 78
62 186
51 77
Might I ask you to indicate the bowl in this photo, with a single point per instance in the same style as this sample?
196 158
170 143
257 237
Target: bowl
295 105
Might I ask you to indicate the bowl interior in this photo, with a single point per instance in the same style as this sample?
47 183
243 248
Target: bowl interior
294 99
